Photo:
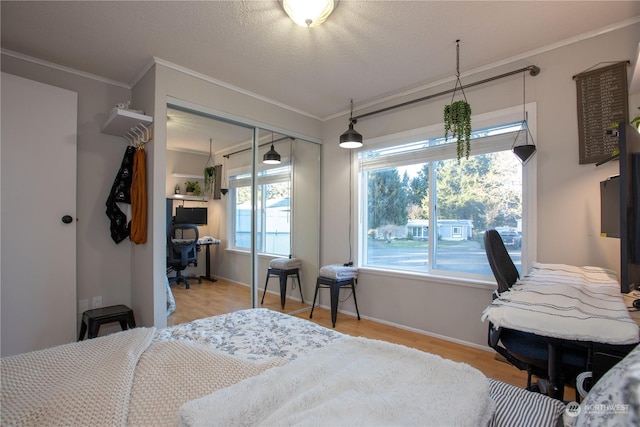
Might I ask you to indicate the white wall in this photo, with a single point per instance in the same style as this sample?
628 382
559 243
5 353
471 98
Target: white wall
568 202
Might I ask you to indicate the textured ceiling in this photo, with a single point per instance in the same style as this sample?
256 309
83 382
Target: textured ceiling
366 50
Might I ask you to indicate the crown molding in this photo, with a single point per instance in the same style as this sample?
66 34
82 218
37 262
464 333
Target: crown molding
63 68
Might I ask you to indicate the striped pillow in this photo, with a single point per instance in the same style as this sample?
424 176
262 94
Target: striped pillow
519 407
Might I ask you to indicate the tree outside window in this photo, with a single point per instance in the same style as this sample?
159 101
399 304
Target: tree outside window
409 229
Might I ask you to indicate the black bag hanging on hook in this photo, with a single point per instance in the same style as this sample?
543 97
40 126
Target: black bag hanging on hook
121 193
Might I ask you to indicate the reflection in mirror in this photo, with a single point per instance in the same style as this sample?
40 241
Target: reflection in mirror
287 210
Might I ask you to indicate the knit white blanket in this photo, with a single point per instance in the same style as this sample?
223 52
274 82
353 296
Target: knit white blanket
568 302
172 373
116 380
78 384
352 382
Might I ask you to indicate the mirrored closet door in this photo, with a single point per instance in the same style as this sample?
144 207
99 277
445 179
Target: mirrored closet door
263 203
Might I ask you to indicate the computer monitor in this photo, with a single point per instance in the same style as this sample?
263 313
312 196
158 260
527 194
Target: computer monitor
196 216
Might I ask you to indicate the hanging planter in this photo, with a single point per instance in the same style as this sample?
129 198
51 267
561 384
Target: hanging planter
209 180
457 116
210 174
457 123
525 147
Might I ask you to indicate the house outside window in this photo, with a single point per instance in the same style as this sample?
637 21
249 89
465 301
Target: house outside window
274 210
423 211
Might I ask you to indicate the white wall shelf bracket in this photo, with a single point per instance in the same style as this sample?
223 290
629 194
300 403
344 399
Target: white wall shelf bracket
121 121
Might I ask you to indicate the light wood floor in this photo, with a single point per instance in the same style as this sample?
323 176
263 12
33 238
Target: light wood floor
209 299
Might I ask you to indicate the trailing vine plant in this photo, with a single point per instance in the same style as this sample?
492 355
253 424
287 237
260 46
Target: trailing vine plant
209 180
210 174
457 116
457 123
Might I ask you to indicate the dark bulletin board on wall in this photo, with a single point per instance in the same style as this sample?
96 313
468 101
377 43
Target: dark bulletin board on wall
602 102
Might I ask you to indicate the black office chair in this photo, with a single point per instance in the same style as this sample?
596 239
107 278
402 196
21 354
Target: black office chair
182 250
526 351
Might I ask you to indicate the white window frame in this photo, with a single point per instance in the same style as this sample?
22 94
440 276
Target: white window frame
480 121
264 178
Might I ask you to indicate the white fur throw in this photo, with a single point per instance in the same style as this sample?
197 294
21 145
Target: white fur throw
353 382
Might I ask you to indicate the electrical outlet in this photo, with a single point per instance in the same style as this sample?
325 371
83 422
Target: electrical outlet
83 305
97 302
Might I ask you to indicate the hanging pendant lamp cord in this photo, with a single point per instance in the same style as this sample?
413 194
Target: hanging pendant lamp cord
351 119
458 82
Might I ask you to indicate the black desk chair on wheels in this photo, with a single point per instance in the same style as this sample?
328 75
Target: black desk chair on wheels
526 351
182 250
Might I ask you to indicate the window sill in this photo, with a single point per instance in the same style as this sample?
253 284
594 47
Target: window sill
260 254
426 277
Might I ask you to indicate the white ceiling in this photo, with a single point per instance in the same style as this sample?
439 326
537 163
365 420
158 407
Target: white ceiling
365 51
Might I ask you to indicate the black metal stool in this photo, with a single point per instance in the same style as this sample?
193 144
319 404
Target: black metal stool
92 319
334 286
283 268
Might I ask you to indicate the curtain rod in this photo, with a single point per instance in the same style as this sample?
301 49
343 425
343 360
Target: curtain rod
259 146
533 70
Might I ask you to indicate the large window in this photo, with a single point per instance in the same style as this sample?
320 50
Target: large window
422 210
274 208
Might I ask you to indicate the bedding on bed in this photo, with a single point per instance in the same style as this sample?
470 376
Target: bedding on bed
171 373
93 382
257 334
576 303
355 382
85 383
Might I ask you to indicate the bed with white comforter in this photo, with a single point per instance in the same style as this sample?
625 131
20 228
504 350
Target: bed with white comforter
255 367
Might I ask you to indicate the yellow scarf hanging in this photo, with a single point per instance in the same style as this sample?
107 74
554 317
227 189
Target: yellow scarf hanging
138 232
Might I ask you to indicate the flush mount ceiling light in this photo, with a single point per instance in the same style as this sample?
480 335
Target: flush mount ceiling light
308 13
351 138
271 157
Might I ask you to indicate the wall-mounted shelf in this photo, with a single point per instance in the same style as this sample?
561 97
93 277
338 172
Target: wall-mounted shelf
121 121
188 175
188 198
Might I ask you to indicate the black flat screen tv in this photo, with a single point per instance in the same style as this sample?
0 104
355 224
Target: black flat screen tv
629 143
196 216
610 207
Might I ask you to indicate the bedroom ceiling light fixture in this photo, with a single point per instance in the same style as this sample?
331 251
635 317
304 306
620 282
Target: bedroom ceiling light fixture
271 157
351 138
309 13
524 150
